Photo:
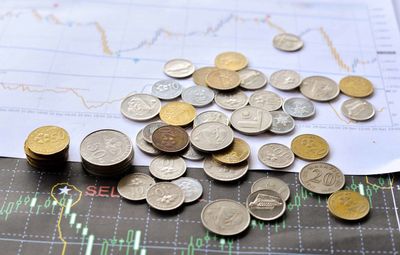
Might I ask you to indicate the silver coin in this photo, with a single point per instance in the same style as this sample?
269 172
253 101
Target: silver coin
231 100
165 196
358 109
149 129
179 68
276 155
266 100
282 123
140 107
319 88
285 79
265 204
225 217
251 120
198 96
274 184
145 146
211 116
252 79
299 107
211 136
223 172
191 187
321 178
166 89
134 186
192 154
167 167
287 42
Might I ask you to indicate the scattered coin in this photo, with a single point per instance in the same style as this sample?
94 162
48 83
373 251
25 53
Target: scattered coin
167 168
211 136
231 100
170 139
145 146
177 113
266 100
233 61
287 42
223 172
252 79
199 76
149 129
166 89
265 204
282 123
319 88
165 196
211 116
191 187
179 68
298 107
348 205
274 184
310 147
237 152
275 155
356 86
134 186
192 154
358 109
222 79
251 120
140 107
198 96
285 79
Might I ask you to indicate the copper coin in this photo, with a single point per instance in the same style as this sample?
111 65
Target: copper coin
170 139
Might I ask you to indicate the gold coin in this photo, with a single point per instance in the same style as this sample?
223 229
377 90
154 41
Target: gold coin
356 86
199 76
222 79
177 113
348 205
47 140
310 147
230 60
236 153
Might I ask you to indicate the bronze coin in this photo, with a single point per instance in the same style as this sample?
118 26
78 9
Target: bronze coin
170 139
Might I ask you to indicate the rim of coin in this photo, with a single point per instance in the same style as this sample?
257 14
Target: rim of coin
344 214
191 195
221 118
167 168
283 188
279 123
170 139
231 60
302 149
180 71
236 99
252 79
177 113
198 95
245 112
280 42
45 148
149 129
237 171
199 75
222 79
236 153
145 146
279 81
156 187
192 154
263 197
309 88
351 109
356 86
211 137
134 109
299 111
140 189
166 89
271 160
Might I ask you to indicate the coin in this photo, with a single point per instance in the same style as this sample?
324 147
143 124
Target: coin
224 172
211 136
179 68
231 100
356 86
252 79
170 139
358 109
237 152
167 168
192 154
165 196
191 187
274 184
149 129
145 146
140 107
285 79
348 205
266 100
233 61
319 88
321 178
225 217
48 141
134 186
251 120
282 123
265 205
310 147
210 116
166 89
275 155
298 107
222 79
198 96
287 42
199 76
177 113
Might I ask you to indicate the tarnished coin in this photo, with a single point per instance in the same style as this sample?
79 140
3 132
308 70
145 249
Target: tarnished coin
252 79
167 167
321 178
192 154
348 205
140 107
282 123
251 120
165 196
319 88
198 96
285 79
199 76
179 68
358 109
287 42
231 100
265 204
266 100
299 107
237 152
134 186
149 129
191 188
47 140
224 172
177 113
211 136
222 79
166 89
310 147
211 116
233 61
275 155
225 217
274 184
356 86
170 139
145 146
